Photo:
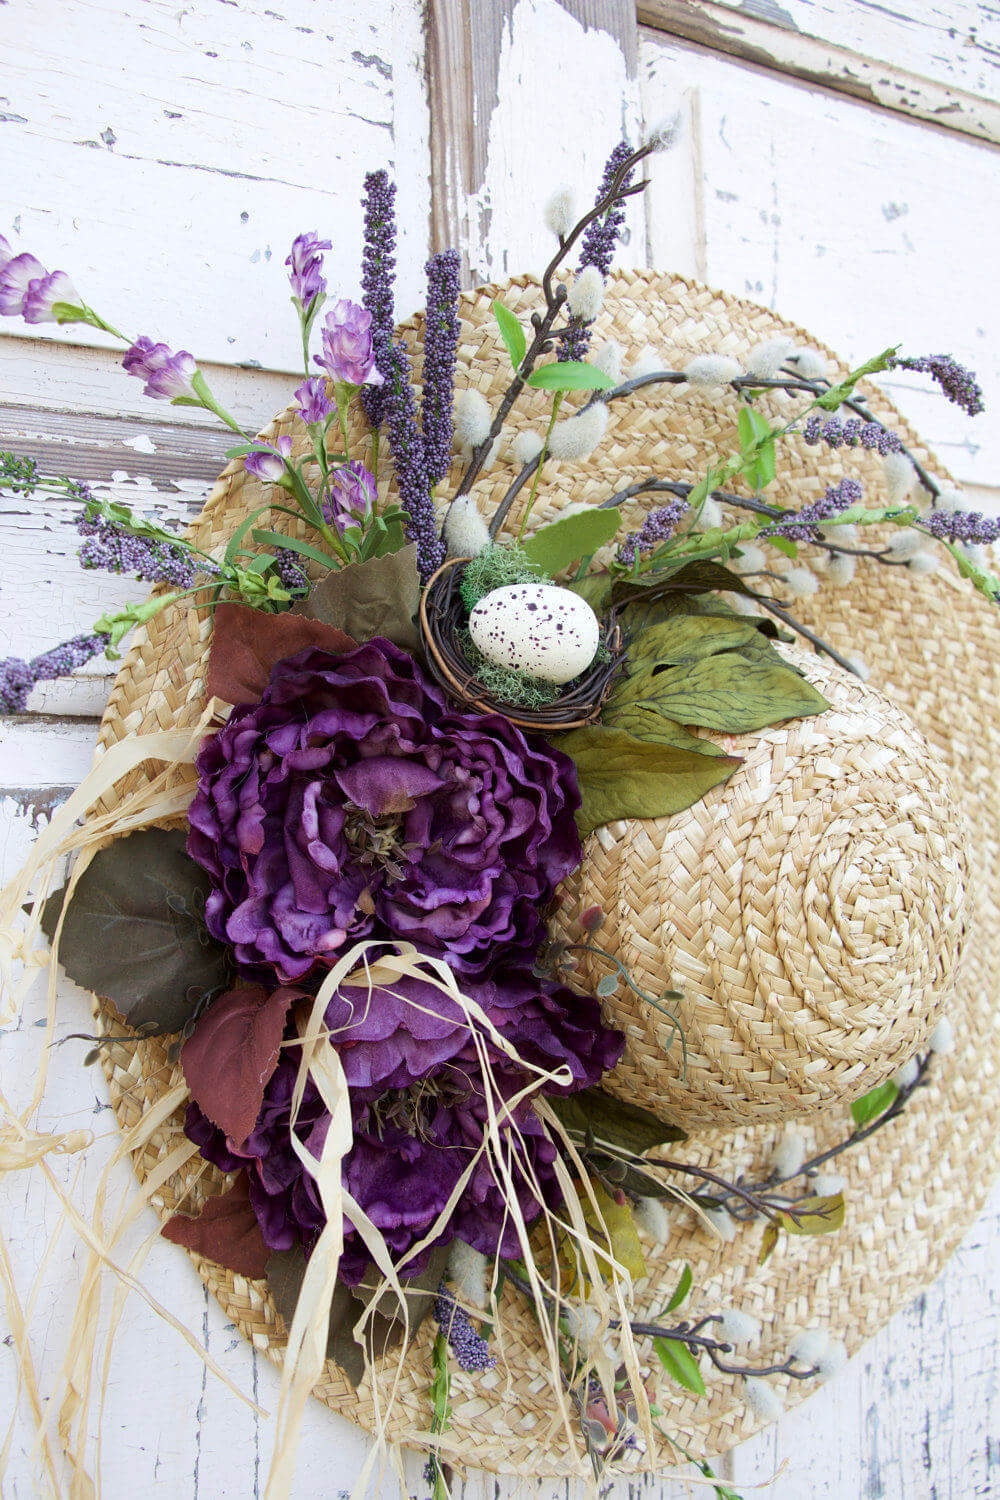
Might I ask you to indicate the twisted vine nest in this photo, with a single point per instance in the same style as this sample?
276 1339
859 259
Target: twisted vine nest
811 911
934 648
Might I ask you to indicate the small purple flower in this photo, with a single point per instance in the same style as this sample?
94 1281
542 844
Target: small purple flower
968 526
802 525
114 549
305 263
956 382
166 375
465 1341
17 677
352 496
347 345
658 526
269 467
378 263
15 278
44 292
313 402
849 434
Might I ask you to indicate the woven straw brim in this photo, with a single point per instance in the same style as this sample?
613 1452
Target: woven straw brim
913 1188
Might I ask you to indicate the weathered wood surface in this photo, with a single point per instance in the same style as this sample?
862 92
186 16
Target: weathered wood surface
137 178
932 62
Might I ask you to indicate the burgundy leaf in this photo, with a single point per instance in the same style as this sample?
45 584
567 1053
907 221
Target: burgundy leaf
233 1051
225 1231
246 644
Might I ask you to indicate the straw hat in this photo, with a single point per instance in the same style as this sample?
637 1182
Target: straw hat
933 648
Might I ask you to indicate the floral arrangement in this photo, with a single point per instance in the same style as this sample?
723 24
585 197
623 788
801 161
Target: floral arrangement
415 719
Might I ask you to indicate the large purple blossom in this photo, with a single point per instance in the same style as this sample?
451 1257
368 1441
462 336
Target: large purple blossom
410 1150
957 383
115 550
378 264
440 347
16 276
658 527
18 677
403 1032
305 268
803 525
347 345
166 375
352 801
851 434
268 464
352 496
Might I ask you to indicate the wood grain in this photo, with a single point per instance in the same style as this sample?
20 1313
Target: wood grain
813 45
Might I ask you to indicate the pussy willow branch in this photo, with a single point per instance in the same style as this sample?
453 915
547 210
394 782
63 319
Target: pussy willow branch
863 1133
688 1333
544 323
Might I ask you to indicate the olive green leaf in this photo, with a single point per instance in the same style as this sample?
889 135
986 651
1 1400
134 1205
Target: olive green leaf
714 673
621 776
377 597
769 1241
134 931
815 1215
602 1120
552 548
511 332
569 375
681 1290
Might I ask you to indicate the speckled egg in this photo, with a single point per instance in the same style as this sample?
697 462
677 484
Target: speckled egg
536 628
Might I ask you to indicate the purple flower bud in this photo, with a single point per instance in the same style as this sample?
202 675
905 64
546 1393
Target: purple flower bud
466 1342
347 345
15 278
313 403
270 466
305 263
166 375
352 496
44 292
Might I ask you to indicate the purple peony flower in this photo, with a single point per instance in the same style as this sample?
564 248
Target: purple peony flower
352 801
352 496
44 292
18 272
166 375
410 1151
269 467
313 402
305 268
400 1034
347 345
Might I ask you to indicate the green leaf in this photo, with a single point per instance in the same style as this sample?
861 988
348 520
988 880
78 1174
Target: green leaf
596 1116
552 548
757 448
874 1103
786 545
595 588
135 933
831 399
815 1216
645 722
236 540
611 1225
680 1364
380 596
570 375
294 544
624 777
715 673
681 1290
511 332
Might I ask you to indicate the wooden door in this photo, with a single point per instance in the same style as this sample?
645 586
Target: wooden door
837 162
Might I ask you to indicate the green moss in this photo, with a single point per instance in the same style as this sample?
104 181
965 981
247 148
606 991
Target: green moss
494 568
503 683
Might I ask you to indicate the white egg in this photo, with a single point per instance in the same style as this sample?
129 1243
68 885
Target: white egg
536 628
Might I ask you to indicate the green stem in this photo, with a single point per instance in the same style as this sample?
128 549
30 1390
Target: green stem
556 401
343 392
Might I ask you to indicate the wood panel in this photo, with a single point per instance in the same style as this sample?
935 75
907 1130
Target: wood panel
933 62
868 229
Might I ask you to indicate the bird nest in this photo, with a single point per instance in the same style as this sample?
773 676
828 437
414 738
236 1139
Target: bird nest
443 622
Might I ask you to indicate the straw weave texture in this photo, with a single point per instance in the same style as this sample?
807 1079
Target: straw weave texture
934 648
811 910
